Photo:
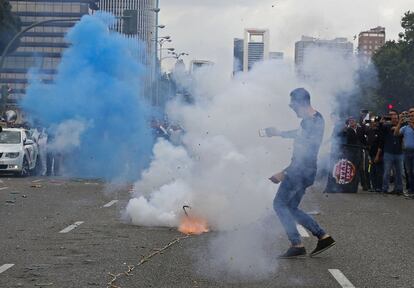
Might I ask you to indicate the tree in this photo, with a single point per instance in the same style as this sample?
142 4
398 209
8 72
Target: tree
10 25
395 64
407 24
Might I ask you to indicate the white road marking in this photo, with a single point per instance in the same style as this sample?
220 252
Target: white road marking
4 188
109 204
5 267
71 227
36 181
315 212
342 280
302 231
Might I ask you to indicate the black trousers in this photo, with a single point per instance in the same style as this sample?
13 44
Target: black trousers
53 164
376 175
363 170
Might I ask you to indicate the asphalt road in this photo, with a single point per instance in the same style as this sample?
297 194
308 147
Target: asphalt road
375 236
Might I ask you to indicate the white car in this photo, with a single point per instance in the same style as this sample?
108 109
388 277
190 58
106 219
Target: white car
18 151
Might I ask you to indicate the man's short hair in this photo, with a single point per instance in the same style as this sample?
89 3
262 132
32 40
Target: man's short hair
393 111
300 96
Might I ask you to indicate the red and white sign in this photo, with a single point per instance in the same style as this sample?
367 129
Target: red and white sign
344 172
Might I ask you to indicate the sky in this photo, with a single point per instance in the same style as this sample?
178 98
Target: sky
205 28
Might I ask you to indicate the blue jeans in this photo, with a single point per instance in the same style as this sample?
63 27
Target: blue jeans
409 164
390 161
286 204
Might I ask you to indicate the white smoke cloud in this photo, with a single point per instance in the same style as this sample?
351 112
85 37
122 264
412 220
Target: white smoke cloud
219 22
68 135
222 168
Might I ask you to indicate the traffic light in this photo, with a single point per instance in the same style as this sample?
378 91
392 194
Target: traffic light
130 22
390 106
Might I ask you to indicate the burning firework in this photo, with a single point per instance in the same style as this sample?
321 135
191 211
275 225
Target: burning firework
192 225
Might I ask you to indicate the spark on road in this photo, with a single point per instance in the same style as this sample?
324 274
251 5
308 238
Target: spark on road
340 277
71 227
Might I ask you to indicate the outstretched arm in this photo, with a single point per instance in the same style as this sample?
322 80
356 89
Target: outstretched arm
289 134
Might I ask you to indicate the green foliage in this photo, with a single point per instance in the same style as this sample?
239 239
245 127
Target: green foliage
395 65
10 25
407 23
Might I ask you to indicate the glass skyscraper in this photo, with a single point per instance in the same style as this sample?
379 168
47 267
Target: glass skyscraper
238 52
146 30
42 46
256 47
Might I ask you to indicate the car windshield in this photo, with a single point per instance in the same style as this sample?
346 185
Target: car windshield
10 137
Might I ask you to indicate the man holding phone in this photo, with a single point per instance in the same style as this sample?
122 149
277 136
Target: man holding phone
391 148
407 132
300 175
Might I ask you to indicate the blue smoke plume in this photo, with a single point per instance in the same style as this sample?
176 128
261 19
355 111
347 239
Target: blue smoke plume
96 97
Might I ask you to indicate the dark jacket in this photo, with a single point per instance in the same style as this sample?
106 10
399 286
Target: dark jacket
307 141
355 137
389 142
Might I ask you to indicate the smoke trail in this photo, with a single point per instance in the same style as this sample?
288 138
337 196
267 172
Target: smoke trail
95 108
221 169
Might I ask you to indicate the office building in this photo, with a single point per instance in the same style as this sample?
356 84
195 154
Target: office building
256 47
276 55
41 46
307 44
370 41
146 25
197 64
238 47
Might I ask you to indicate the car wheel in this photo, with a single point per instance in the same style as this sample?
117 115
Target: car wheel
25 168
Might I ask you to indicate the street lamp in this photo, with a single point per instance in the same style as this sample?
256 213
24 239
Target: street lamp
162 38
173 55
161 43
178 55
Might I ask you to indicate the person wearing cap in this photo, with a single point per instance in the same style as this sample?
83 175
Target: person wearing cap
300 174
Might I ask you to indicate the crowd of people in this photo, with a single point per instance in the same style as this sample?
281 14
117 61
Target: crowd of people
383 147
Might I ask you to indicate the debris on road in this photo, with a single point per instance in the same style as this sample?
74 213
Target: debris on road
115 277
36 186
395 277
